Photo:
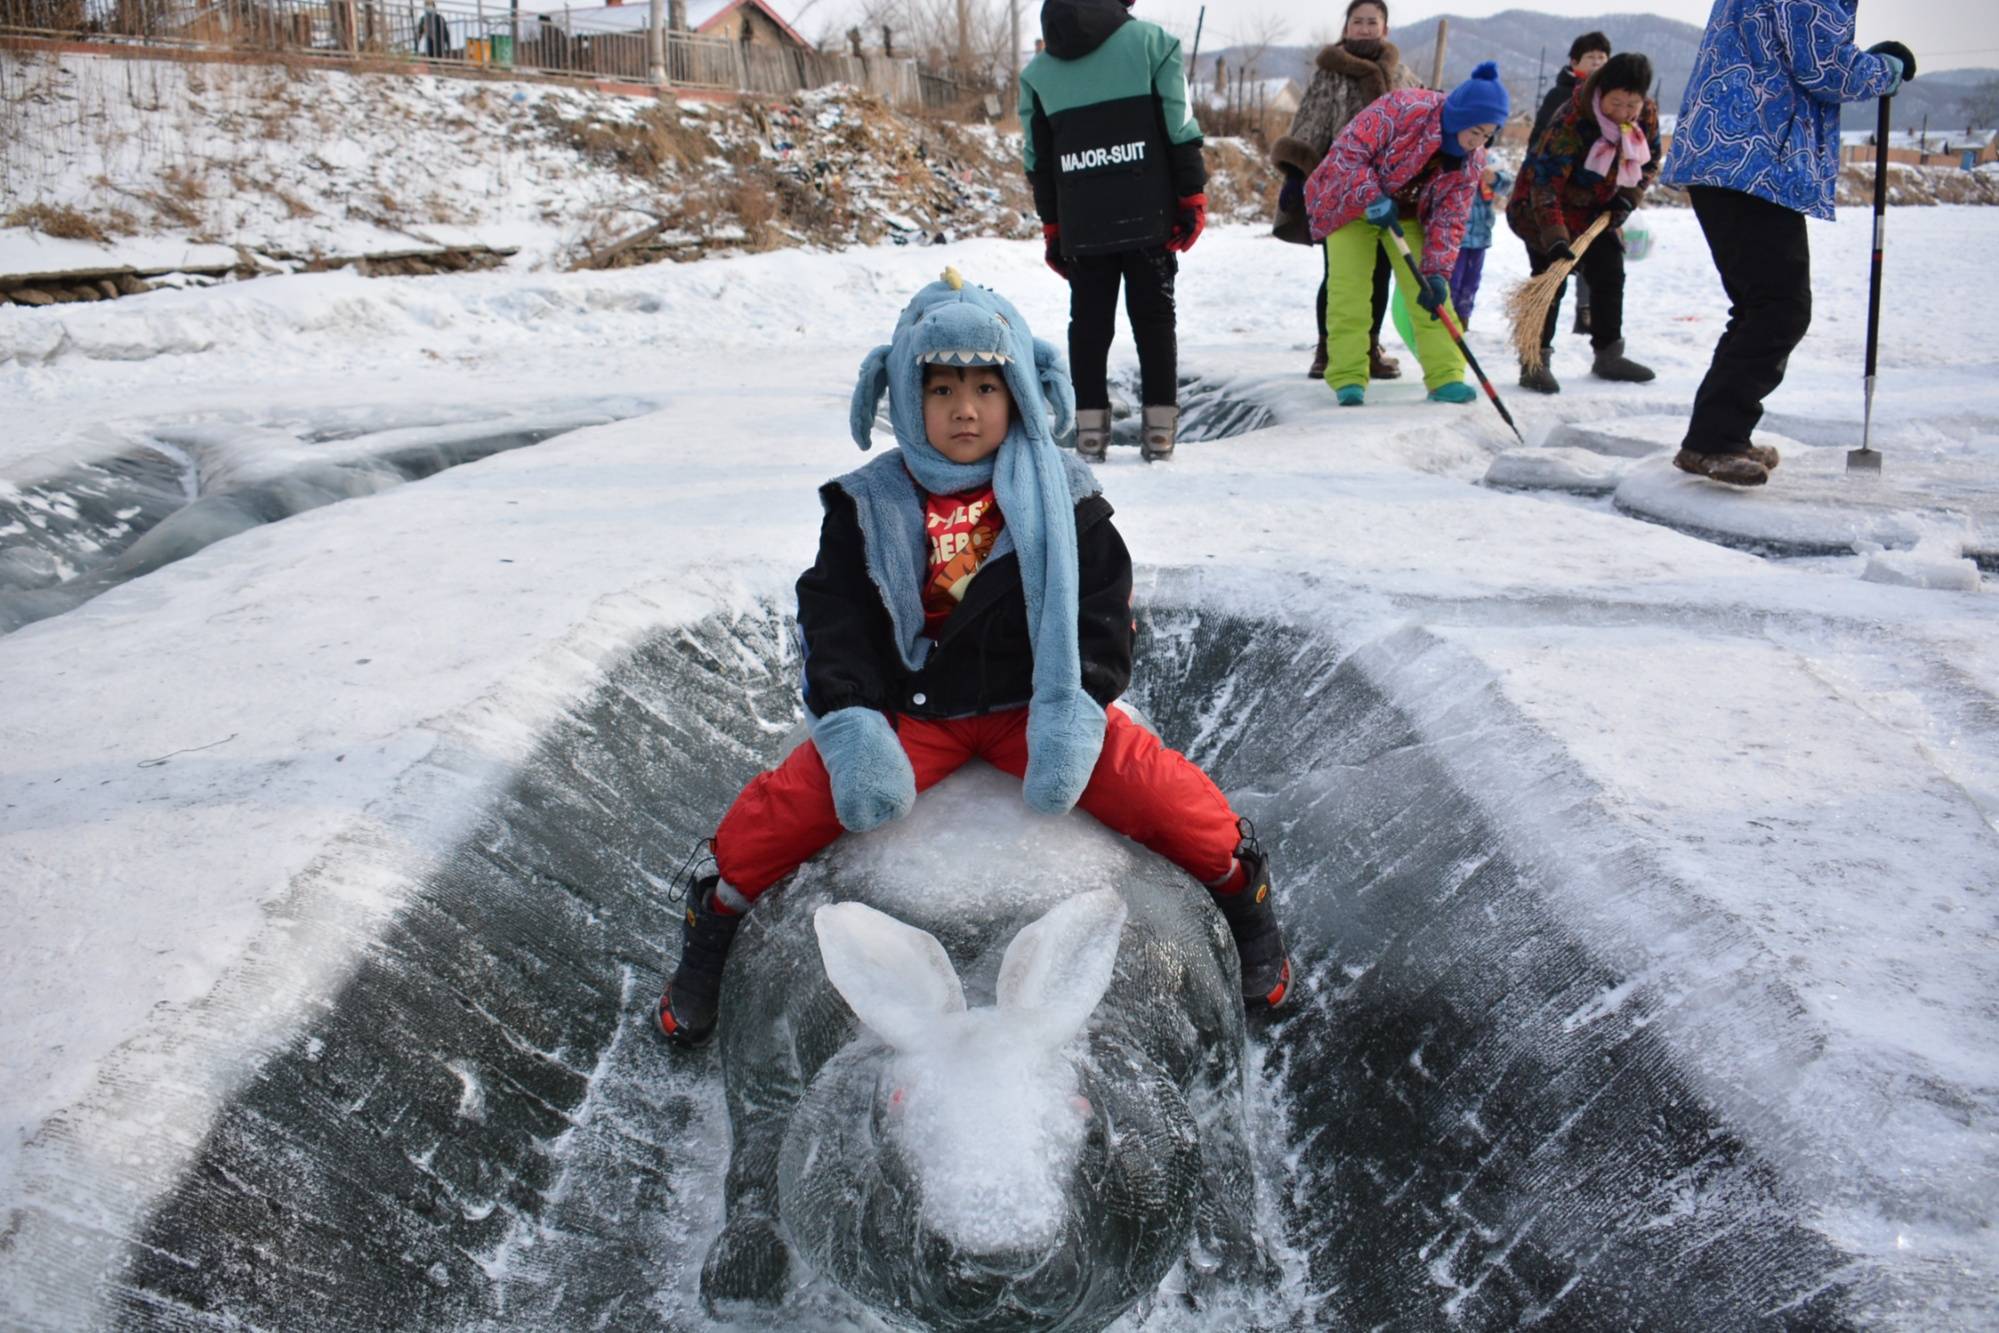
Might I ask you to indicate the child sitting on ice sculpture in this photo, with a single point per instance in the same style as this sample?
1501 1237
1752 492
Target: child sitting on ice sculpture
970 599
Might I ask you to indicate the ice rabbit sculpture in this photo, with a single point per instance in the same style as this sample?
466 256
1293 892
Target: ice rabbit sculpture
1038 1158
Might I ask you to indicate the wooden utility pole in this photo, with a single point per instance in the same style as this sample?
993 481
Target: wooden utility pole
1013 45
1437 70
964 38
656 43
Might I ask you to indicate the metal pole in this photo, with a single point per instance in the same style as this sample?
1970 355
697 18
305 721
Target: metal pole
1013 53
1199 19
1866 458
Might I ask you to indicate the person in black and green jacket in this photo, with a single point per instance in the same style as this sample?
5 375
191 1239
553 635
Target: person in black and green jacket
1114 156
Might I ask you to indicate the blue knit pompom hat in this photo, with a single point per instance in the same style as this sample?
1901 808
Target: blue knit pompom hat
1479 100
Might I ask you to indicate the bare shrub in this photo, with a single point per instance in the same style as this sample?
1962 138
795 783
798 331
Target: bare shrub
57 220
754 206
294 206
183 184
644 146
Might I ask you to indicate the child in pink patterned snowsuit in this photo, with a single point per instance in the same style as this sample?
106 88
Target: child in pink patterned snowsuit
1413 157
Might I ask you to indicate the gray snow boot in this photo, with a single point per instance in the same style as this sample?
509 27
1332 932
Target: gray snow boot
1161 424
1542 380
1093 433
1612 364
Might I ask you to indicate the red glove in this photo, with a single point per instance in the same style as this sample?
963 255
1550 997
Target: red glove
1051 238
1188 226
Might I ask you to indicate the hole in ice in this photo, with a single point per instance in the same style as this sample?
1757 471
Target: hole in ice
68 537
1469 1118
1209 410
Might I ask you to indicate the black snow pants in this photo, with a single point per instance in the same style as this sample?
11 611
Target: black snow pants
1602 266
1382 273
1765 262
1147 276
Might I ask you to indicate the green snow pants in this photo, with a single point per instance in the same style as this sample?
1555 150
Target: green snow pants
1350 255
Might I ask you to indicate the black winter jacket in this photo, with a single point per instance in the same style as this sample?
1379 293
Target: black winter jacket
1557 98
1110 141
983 661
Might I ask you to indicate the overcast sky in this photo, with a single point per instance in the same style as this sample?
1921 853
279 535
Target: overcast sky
1943 33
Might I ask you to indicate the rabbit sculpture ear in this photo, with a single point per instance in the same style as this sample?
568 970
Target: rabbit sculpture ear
1057 969
868 391
896 978
1057 389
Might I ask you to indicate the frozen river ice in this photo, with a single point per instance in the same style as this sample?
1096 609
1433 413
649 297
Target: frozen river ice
1469 1119
1641 886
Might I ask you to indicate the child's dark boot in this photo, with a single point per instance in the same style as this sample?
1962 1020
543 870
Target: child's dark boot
687 1011
1252 918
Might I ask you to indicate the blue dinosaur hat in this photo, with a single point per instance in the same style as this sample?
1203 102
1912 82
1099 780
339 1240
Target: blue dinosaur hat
954 323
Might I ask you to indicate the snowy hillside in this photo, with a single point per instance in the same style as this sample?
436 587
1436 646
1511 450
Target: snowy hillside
1640 882
105 158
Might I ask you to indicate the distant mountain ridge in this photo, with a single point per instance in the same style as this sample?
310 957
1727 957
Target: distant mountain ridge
1531 47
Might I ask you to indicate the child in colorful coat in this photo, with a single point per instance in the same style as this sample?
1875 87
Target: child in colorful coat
1413 157
970 599
1350 74
1598 155
1469 271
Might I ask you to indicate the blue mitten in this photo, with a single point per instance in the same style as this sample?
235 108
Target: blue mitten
872 780
1381 212
1065 733
1434 293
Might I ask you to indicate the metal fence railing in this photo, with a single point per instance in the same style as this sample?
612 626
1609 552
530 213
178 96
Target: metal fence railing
602 44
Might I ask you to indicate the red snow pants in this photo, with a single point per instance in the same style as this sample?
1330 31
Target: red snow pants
1155 796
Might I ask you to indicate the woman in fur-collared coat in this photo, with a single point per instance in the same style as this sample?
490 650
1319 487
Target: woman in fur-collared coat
1350 74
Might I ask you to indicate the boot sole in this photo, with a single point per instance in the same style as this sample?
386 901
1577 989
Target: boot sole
674 1030
1743 479
1274 998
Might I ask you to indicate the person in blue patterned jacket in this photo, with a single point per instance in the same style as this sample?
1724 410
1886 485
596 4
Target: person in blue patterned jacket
1757 148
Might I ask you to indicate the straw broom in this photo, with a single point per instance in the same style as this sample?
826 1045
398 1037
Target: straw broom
1528 304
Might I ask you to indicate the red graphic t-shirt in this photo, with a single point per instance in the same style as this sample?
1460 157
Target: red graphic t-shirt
962 529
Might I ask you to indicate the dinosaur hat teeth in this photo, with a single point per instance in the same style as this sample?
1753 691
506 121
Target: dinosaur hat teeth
964 357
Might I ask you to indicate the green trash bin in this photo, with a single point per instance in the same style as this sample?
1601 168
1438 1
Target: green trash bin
503 49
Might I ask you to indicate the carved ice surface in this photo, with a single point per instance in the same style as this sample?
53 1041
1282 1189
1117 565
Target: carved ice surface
1038 1109
960 1083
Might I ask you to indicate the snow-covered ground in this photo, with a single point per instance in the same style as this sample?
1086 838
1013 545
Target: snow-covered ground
178 163
1802 761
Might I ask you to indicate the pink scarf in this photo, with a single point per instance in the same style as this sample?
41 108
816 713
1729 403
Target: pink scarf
1623 145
